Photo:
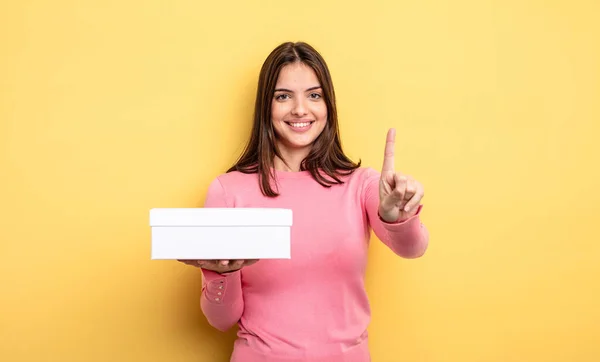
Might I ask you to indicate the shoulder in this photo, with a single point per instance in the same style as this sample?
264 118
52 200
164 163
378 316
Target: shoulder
364 175
233 182
235 177
232 179
360 180
365 182
224 189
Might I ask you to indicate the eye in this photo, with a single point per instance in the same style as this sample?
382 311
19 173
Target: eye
282 97
315 96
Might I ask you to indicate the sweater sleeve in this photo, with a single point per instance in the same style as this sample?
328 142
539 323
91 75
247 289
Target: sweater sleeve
406 238
221 299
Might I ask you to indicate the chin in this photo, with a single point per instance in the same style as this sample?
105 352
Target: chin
297 145
295 141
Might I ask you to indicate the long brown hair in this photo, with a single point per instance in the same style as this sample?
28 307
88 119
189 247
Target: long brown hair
325 156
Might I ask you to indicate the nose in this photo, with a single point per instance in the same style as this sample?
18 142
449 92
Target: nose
299 108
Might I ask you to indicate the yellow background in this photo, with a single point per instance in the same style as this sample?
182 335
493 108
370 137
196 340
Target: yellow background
110 108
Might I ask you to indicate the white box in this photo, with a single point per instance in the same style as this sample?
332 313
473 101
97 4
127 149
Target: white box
220 233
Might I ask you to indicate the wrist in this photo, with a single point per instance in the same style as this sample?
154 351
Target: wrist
388 216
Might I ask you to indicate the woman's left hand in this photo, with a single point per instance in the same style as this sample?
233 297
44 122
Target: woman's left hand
399 195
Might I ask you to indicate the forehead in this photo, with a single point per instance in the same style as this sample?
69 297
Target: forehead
297 75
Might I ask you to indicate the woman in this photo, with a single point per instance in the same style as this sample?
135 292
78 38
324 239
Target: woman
312 307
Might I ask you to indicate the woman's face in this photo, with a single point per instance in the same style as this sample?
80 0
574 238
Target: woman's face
298 110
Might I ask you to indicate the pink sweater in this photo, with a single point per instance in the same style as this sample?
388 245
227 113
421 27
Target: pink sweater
312 307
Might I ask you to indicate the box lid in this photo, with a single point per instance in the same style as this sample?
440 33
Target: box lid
220 217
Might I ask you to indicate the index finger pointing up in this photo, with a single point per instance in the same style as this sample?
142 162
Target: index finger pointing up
388 156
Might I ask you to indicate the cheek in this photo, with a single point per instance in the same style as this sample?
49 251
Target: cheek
278 111
321 111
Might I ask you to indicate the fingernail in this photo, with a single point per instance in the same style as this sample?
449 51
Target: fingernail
406 208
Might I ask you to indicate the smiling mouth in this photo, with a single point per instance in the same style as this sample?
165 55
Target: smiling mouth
300 124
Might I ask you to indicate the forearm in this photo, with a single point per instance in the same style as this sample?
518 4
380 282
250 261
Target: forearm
407 238
221 300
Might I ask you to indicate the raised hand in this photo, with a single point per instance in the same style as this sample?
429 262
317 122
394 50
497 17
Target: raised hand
399 195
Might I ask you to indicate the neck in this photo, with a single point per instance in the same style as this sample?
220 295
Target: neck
293 158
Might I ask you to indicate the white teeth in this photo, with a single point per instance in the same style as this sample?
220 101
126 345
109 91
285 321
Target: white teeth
300 125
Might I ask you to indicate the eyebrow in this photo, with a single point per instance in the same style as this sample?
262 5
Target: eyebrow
289 91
